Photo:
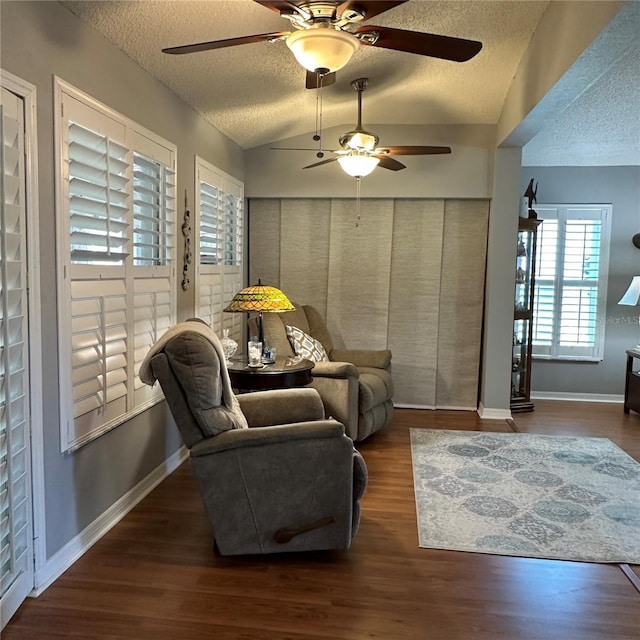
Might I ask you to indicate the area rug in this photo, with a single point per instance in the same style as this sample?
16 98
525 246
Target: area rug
519 494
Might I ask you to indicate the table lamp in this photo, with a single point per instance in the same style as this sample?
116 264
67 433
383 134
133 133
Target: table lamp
261 299
631 298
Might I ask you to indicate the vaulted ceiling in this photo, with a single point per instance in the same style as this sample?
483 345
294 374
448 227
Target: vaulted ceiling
255 93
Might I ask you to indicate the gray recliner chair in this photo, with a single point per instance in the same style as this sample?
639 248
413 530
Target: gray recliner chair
287 479
355 385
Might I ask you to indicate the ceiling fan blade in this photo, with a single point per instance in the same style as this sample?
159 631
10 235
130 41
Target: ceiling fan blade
411 151
221 44
301 149
389 163
371 8
424 44
318 164
313 80
279 6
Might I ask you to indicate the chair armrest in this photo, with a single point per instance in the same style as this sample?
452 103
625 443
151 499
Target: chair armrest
377 359
330 369
281 406
260 436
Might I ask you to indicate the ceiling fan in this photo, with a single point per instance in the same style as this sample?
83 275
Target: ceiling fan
359 153
326 33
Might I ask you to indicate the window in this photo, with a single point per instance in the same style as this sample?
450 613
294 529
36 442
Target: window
116 216
571 278
219 251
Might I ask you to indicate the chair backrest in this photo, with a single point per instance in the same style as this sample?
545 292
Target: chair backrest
188 370
306 318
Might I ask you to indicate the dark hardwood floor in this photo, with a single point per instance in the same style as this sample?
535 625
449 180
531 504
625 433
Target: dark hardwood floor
154 576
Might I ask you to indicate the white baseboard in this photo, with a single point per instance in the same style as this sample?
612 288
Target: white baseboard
401 405
75 548
486 413
577 397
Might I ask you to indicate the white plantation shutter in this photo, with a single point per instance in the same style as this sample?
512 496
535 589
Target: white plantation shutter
210 300
118 263
154 212
153 315
99 352
15 493
97 197
219 227
211 214
571 276
233 228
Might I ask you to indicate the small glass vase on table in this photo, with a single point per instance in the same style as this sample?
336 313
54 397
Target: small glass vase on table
229 345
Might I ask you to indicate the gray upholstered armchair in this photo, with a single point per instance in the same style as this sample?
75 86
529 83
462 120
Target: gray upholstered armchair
273 473
355 384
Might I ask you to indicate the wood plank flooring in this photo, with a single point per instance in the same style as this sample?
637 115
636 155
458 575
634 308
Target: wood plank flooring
155 577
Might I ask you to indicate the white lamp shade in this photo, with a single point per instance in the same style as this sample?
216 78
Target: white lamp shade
322 48
358 166
631 296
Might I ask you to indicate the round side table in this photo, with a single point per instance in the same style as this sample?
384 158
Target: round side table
283 373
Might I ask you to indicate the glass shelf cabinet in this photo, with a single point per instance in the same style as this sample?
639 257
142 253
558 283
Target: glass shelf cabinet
523 315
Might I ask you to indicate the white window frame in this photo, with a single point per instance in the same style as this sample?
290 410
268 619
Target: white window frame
217 281
564 213
135 303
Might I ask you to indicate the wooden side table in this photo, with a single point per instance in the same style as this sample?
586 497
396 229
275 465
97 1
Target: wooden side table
283 373
632 384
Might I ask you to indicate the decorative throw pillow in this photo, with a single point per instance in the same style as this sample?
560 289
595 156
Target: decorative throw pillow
306 346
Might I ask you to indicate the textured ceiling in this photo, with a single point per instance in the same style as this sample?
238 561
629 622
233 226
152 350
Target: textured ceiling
255 93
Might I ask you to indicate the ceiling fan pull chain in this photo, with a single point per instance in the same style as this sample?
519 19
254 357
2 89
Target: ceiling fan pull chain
318 136
358 181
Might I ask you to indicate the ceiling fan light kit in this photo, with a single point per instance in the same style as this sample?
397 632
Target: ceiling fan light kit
359 154
358 164
326 34
322 49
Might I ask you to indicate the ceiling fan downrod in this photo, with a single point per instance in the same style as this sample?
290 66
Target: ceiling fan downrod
359 139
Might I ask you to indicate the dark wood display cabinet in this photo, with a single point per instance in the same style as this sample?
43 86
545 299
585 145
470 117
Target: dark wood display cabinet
523 315
632 383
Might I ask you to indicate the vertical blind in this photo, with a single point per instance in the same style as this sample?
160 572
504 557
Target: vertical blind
409 277
571 272
118 292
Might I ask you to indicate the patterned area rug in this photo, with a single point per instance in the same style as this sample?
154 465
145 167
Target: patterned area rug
519 494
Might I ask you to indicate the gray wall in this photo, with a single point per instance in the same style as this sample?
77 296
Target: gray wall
40 40
620 187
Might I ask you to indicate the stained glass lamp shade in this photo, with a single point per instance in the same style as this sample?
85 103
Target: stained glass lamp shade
260 298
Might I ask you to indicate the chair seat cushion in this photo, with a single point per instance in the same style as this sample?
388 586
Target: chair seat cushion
375 387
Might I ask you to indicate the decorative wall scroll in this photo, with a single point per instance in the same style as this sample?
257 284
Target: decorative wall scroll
186 232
